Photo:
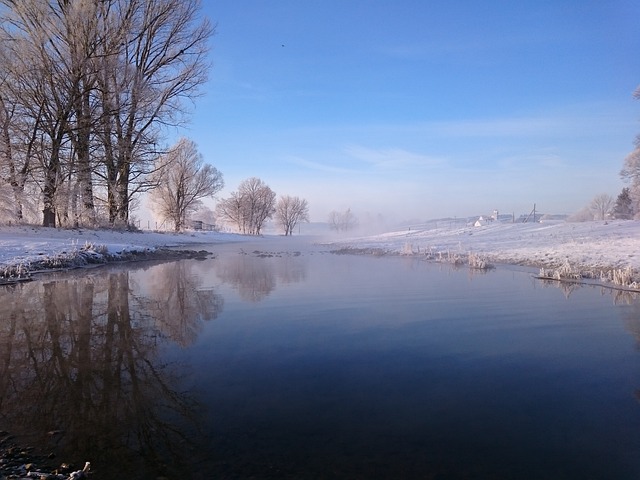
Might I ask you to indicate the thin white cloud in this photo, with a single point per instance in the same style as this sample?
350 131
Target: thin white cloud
532 160
392 158
594 119
523 126
357 159
319 167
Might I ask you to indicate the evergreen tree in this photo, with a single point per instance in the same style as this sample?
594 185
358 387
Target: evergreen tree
623 209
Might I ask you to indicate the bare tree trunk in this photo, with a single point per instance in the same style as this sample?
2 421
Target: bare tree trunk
122 191
6 154
83 160
51 174
17 161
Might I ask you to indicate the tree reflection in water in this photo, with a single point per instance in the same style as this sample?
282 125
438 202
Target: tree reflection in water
81 355
254 275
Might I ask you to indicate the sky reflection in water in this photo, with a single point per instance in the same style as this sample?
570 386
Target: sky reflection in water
281 363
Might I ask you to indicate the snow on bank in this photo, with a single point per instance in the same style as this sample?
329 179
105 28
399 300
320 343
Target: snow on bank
589 245
25 248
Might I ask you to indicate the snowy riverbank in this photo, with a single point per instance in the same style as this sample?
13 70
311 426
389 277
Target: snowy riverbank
28 249
588 246
608 252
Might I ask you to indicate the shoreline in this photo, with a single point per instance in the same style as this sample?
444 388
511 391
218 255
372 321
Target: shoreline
607 251
27 274
21 462
626 280
26 251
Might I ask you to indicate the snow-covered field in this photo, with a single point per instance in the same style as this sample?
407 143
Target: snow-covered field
589 245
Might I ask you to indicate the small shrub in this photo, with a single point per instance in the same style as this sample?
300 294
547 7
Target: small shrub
407 249
478 261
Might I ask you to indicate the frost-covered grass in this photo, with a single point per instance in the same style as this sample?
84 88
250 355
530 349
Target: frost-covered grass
25 249
625 277
449 257
473 260
596 245
605 251
564 272
76 256
619 277
14 273
479 262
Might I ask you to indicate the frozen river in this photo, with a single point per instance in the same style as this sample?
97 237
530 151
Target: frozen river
282 360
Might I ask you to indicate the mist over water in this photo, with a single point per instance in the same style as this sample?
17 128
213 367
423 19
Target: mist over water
278 359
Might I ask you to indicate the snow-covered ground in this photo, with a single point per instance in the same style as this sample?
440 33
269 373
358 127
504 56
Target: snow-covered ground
26 248
589 245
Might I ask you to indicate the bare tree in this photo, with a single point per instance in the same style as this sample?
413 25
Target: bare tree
94 83
290 211
169 56
41 82
631 170
342 221
155 60
20 135
231 210
13 171
249 207
182 182
631 173
334 220
601 206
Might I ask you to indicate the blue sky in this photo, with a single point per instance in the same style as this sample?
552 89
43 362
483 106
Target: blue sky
422 109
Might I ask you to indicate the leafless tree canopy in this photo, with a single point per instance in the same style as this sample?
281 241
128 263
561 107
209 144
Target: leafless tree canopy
631 171
86 88
601 206
342 221
249 207
183 180
290 211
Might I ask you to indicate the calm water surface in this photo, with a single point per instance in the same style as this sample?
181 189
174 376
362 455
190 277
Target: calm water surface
274 360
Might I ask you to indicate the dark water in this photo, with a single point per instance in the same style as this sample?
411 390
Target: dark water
274 361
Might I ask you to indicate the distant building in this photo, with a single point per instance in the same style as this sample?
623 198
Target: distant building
200 225
480 222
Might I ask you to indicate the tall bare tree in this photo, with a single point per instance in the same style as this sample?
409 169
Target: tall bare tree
183 181
84 35
631 173
20 133
631 170
98 81
156 61
41 82
290 211
13 171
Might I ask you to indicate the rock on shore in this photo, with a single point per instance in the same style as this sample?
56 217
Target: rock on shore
22 462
